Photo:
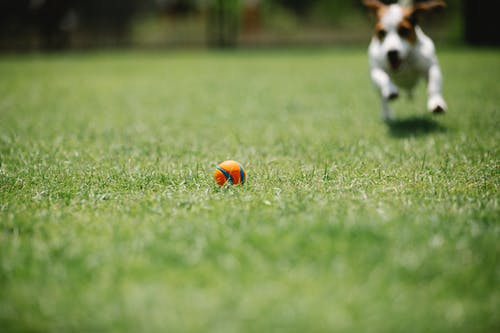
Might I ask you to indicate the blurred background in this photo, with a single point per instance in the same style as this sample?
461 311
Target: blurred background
52 25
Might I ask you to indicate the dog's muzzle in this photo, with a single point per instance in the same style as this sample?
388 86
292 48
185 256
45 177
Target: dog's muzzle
394 59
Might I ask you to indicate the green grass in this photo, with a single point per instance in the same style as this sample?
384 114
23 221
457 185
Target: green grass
110 219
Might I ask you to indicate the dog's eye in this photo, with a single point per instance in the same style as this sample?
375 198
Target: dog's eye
381 34
404 31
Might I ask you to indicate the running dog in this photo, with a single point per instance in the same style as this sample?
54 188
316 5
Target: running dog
401 54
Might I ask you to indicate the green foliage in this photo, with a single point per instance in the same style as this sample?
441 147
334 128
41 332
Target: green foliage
110 219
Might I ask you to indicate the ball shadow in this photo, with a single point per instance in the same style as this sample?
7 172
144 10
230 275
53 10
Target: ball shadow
414 126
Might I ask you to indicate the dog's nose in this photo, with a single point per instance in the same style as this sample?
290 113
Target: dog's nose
393 56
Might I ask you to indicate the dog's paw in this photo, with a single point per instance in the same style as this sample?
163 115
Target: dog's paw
436 104
391 93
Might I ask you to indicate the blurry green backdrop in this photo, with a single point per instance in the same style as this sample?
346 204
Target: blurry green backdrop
64 24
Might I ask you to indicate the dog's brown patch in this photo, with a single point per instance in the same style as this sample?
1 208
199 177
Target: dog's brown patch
379 9
374 5
406 28
424 7
380 32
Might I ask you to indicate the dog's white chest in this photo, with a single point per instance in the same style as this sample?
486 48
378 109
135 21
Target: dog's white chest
406 77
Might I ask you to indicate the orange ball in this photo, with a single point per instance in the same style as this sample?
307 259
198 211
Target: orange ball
230 171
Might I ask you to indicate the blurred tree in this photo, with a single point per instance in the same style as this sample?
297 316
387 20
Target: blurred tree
251 16
178 7
223 22
482 26
53 22
17 23
53 17
300 7
107 21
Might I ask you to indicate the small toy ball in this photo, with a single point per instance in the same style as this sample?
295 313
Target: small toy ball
230 171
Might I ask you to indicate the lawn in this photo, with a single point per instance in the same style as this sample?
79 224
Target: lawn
110 220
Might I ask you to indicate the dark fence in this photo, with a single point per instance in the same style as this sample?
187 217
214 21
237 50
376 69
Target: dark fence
64 24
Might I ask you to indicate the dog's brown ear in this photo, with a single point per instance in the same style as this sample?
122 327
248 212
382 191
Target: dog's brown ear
374 5
424 7
415 11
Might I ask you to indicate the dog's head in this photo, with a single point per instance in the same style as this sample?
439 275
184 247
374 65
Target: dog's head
395 28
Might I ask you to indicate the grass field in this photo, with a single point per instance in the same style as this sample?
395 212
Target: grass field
110 220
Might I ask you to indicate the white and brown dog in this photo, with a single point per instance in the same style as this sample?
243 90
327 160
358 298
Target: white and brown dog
401 54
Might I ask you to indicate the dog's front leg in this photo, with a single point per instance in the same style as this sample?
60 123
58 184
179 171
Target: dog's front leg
388 91
435 102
